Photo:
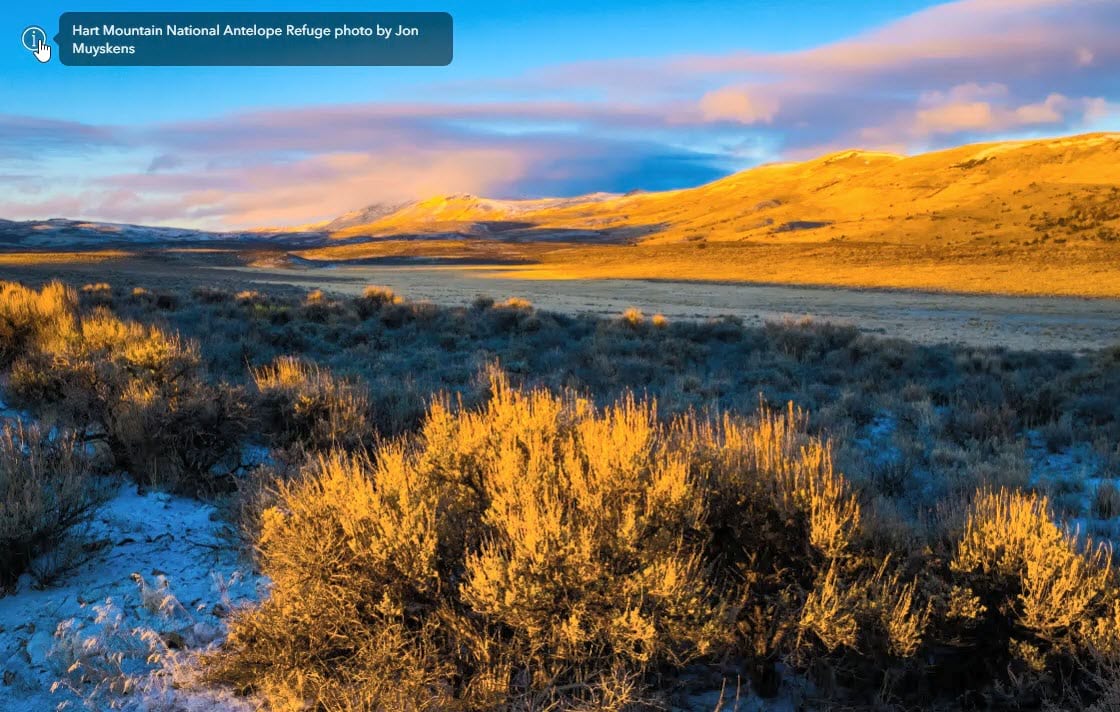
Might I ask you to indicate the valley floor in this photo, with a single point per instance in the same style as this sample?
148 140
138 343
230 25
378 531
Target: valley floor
892 308
1052 323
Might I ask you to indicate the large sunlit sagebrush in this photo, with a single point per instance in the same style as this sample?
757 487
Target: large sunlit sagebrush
1056 594
539 550
30 318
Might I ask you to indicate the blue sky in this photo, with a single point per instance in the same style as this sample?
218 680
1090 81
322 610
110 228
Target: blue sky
493 40
542 98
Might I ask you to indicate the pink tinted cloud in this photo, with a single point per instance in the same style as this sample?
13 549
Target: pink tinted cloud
329 185
738 104
1025 37
267 194
1050 63
990 108
972 68
219 187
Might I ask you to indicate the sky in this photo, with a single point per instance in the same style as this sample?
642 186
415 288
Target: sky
541 99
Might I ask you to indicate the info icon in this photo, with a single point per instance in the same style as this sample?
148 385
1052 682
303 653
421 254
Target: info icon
34 40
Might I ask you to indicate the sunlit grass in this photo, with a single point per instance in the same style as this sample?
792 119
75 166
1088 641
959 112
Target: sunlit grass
1073 271
39 258
1076 272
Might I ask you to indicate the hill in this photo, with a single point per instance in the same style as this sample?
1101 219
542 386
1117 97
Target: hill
1007 192
1038 217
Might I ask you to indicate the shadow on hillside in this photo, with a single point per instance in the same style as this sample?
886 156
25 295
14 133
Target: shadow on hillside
517 232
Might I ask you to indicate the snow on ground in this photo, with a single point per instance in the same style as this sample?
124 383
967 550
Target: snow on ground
12 415
163 575
1071 475
876 441
1076 462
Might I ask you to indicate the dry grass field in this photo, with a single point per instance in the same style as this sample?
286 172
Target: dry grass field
37 258
1076 271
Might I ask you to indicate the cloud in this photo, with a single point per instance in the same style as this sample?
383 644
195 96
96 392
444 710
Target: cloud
955 72
23 137
974 109
1098 109
327 185
1050 111
296 166
954 43
164 162
996 65
738 104
954 118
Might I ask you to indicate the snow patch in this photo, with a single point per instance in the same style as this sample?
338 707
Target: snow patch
121 630
1071 477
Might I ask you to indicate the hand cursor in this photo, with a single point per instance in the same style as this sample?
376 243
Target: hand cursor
43 52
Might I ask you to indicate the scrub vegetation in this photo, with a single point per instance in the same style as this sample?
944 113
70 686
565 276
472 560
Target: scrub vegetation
492 507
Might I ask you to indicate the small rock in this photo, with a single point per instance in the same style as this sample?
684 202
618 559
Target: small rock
39 648
174 640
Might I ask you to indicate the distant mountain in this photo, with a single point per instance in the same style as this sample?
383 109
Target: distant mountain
61 233
460 213
1011 192
1051 189
364 216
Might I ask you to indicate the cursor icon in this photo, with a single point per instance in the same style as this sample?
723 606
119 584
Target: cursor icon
43 52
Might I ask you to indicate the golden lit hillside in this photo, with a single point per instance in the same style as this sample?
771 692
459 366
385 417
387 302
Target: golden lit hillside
1019 217
1013 191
